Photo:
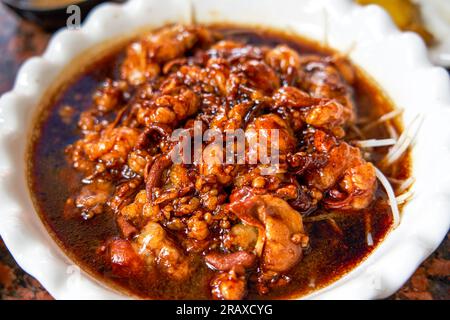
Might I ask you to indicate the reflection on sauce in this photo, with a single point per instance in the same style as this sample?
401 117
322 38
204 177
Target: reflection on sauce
53 181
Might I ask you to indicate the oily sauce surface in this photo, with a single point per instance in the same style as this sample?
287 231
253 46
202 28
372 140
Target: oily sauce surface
52 181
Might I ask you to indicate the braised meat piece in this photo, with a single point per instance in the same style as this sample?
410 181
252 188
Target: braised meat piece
349 179
228 286
125 261
281 233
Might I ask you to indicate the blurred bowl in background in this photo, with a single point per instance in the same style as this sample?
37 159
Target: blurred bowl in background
49 14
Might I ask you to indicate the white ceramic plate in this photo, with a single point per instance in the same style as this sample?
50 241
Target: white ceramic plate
397 61
436 14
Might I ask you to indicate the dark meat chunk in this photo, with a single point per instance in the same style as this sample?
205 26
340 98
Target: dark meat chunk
125 262
350 179
167 109
237 261
281 233
228 286
128 230
315 111
282 225
153 178
111 146
260 76
242 237
143 57
110 95
155 245
285 61
262 132
93 197
322 79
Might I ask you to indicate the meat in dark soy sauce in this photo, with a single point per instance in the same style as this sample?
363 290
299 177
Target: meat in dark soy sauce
106 187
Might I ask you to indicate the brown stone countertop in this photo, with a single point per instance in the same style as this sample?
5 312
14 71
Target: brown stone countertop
20 40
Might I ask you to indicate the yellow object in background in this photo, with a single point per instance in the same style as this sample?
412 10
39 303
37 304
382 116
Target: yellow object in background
406 16
48 4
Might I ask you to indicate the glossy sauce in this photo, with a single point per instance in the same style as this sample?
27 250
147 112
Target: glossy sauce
52 181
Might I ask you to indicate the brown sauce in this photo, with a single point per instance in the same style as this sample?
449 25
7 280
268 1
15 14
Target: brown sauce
52 181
